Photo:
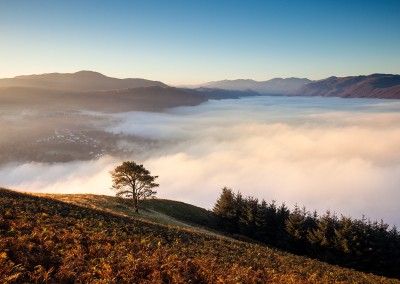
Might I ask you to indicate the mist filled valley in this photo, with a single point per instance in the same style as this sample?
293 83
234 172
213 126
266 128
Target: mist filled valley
200 142
323 153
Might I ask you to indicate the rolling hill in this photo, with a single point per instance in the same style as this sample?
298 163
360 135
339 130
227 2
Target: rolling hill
87 239
382 86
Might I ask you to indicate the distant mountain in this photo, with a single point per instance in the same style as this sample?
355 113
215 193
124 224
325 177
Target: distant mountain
93 91
383 86
220 94
277 86
79 81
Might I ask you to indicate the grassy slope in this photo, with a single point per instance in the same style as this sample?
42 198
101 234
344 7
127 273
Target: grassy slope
46 239
161 211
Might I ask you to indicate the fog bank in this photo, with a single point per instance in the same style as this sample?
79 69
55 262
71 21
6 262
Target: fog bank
337 154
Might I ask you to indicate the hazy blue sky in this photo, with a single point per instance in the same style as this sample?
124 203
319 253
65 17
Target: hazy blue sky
183 42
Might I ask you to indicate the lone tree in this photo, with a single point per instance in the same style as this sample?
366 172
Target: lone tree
133 181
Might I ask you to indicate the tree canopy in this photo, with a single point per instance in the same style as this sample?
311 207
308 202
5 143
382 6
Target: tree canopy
131 180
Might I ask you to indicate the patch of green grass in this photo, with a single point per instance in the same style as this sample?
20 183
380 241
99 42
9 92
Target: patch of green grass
162 211
181 211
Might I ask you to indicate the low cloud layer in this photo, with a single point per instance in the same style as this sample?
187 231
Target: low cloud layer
333 154
73 177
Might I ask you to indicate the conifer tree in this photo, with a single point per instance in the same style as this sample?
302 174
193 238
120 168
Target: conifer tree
261 221
248 218
133 181
225 205
345 236
225 209
295 224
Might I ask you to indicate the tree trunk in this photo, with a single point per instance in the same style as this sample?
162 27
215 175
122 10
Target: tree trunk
136 205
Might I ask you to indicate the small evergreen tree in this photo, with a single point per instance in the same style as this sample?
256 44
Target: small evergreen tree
225 209
261 221
295 224
249 217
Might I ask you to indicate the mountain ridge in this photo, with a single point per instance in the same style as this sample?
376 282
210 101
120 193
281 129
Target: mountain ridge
283 86
377 85
79 81
382 86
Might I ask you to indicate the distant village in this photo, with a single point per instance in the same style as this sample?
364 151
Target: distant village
79 138
35 137
63 145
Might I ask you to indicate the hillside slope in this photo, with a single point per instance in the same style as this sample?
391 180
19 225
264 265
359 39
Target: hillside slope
154 98
45 240
382 86
162 211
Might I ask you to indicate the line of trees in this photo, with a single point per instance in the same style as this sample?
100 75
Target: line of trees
360 244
